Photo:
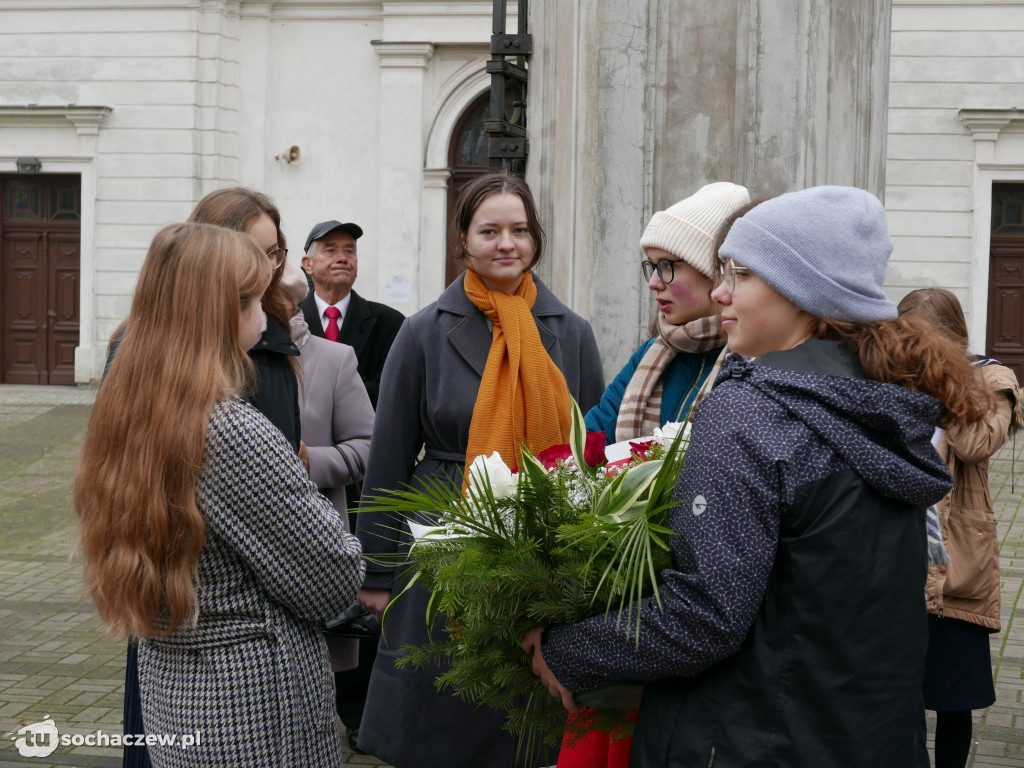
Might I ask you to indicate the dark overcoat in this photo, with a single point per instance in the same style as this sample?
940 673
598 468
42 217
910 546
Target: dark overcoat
427 395
369 327
790 628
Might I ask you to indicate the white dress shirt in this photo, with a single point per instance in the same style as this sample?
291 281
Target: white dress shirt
322 306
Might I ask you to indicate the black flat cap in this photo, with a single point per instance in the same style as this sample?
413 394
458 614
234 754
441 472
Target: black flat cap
324 227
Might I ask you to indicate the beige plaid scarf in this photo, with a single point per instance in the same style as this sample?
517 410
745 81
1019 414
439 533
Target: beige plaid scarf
640 409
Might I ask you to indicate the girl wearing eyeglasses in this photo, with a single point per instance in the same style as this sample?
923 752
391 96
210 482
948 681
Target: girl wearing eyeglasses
275 354
663 378
790 629
669 373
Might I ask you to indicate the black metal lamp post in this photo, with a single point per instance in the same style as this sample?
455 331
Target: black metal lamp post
505 125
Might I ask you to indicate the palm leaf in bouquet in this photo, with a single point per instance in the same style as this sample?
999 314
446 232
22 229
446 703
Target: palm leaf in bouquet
552 543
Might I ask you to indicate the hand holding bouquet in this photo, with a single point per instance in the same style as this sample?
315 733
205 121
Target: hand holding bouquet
562 537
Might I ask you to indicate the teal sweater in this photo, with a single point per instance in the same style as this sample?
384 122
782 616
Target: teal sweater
683 379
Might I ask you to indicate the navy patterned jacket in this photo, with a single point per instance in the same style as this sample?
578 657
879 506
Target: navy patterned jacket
792 629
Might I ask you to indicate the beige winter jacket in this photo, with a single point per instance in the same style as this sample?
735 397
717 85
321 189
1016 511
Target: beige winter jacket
967 587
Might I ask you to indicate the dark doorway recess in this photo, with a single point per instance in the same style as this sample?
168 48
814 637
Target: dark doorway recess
467 159
40 232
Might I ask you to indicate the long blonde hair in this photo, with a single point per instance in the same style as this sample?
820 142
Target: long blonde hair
141 531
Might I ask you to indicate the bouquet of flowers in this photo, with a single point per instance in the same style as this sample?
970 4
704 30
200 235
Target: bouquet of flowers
564 536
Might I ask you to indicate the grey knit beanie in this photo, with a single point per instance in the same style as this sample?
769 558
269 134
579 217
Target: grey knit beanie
687 230
824 248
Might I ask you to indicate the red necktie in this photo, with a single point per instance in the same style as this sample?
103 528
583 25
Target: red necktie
331 331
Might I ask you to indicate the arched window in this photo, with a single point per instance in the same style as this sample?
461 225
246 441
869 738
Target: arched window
467 158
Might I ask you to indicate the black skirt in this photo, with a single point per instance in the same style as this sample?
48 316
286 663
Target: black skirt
958 667
137 755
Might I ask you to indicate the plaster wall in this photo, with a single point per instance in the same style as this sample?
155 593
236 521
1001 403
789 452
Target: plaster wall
153 65
322 96
948 57
204 94
663 96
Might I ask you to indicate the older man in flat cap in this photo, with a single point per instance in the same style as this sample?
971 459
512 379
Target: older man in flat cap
336 312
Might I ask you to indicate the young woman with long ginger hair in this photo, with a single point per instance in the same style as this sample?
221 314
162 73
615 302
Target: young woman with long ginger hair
200 532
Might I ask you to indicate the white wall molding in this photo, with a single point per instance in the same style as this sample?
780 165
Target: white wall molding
80 159
403 54
990 129
433 237
299 10
434 199
941 3
436 154
402 119
85 120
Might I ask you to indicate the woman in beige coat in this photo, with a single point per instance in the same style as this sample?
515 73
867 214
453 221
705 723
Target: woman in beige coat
963 594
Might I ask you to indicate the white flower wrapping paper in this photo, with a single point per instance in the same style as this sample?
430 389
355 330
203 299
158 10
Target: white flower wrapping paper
667 433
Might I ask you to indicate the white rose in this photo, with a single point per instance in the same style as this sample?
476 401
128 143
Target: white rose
667 433
492 469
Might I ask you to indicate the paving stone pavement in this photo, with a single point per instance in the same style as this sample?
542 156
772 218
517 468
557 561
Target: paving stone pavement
57 661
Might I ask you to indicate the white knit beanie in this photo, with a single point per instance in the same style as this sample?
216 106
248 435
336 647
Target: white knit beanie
687 230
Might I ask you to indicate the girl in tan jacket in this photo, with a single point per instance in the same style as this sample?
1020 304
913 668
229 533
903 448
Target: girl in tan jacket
963 594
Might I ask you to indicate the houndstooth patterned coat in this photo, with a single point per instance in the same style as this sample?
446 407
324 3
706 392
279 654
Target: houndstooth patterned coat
252 679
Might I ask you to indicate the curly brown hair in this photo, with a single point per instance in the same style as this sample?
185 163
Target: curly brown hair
907 351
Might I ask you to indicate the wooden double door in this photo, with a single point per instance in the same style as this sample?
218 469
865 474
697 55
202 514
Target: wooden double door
40 226
1005 325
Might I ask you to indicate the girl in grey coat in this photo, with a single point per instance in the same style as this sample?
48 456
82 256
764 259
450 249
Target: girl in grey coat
427 396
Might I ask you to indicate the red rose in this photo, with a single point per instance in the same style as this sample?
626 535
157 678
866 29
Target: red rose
593 452
550 457
640 449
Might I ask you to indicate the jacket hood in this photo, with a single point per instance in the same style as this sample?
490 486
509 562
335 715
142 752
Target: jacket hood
883 431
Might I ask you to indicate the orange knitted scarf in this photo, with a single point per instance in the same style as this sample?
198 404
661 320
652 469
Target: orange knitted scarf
523 397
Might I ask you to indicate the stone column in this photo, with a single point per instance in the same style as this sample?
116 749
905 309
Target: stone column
402 66
254 155
635 104
589 149
217 102
433 236
812 84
